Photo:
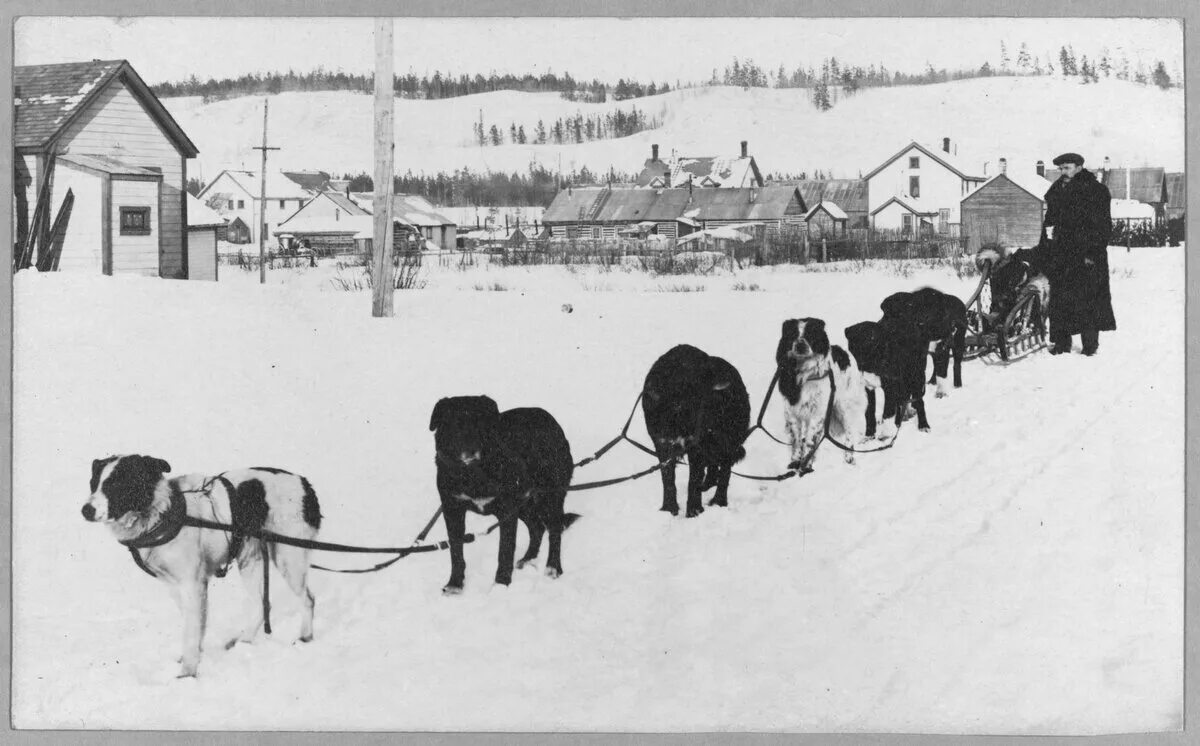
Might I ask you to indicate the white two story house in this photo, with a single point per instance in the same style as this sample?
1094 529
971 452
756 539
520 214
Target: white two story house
920 189
236 196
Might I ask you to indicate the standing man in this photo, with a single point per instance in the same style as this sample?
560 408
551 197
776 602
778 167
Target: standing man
1074 256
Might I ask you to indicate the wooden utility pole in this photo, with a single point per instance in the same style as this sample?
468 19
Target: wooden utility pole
381 261
262 202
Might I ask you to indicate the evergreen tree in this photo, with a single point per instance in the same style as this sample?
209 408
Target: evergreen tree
540 133
512 132
1003 56
1064 62
1105 65
1160 76
821 96
1024 63
496 137
985 69
521 135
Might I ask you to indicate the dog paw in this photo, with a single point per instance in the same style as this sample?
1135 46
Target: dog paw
451 590
305 638
187 672
693 512
523 562
924 429
553 572
940 395
673 510
719 502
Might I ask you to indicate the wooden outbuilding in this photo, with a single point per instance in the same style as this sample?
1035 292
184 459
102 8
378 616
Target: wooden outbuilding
97 129
1005 211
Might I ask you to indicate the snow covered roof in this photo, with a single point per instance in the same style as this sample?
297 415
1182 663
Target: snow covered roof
954 162
358 226
49 97
637 205
279 184
723 171
200 215
406 208
834 211
912 204
1131 209
1029 182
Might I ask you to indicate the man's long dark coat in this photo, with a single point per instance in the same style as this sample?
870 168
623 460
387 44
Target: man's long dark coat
1079 293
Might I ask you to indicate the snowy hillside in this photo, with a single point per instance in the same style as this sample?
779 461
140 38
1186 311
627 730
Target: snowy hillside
1023 119
1018 569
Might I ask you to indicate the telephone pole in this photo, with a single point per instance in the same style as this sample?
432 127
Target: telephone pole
383 290
262 202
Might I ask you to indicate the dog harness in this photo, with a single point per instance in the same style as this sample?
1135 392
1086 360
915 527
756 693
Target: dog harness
167 528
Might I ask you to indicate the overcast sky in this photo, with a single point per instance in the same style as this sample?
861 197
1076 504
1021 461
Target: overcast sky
172 49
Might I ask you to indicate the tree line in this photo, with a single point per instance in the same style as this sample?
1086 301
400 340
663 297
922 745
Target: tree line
436 86
566 130
536 187
834 79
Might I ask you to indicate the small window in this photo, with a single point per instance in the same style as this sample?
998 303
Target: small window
914 186
906 224
914 161
241 203
230 204
282 204
135 221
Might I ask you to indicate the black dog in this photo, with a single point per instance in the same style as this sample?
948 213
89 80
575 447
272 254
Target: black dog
891 355
696 403
515 464
942 321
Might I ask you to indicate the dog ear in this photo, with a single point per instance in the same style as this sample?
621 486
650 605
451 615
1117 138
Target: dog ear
156 464
97 467
489 406
435 420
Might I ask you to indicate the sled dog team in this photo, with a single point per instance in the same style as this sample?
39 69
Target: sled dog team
517 464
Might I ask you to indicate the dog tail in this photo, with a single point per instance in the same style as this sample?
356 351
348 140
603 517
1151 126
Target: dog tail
568 519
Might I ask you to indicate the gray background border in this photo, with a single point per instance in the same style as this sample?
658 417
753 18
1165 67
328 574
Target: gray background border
1189 11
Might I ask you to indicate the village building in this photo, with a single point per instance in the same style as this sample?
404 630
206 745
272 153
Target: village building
1176 207
735 172
204 225
605 213
96 129
332 222
849 195
826 220
236 196
919 189
1005 211
1146 185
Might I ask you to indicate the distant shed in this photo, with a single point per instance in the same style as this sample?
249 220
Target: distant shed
1006 210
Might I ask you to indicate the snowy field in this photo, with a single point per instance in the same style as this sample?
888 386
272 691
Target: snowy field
1018 118
1018 569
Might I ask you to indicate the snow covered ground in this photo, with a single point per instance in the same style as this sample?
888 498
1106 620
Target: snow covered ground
1018 569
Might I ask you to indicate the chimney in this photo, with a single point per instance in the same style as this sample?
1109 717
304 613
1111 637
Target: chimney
985 164
1106 163
667 178
946 144
1003 165
1041 168
654 152
744 148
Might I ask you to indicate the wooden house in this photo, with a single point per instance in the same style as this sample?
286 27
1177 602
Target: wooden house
701 171
1146 185
97 129
204 225
605 213
236 196
920 185
1006 210
849 195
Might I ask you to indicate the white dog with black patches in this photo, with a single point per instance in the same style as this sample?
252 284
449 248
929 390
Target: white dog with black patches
811 373
145 511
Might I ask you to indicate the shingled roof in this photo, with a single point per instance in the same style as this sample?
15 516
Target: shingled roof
848 194
635 205
1145 184
49 98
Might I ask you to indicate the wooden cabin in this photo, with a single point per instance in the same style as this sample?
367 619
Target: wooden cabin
1005 211
97 129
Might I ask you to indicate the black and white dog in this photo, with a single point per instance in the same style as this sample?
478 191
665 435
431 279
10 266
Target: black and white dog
515 464
144 510
808 367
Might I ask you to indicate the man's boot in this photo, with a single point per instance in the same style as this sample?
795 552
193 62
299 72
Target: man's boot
1060 343
1091 341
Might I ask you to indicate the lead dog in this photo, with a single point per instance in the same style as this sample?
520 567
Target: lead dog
143 509
808 367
